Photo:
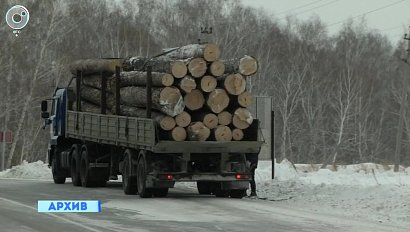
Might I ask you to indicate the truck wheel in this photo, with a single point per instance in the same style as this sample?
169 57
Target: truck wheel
129 183
204 187
74 168
237 193
84 170
143 191
161 192
219 192
58 177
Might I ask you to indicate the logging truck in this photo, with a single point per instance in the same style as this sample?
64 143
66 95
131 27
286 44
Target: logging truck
93 145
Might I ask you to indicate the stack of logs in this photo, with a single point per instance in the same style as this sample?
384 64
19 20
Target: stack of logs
195 95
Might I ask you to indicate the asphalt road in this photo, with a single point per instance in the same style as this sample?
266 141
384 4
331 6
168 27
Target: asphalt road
182 210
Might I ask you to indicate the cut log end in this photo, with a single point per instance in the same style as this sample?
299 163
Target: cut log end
183 119
208 83
223 133
245 99
248 65
237 134
210 121
242 118
194 100
235 84
224 118
167 80
179 134
197 131
217 68
218 100
187 84
171 101
211 52
197 67
167 123
179 69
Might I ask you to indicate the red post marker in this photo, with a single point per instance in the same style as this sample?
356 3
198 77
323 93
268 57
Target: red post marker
8 137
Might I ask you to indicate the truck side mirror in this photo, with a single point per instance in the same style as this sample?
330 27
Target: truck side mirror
44 106
45 114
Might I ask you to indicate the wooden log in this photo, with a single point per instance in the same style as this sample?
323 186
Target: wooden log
194 100
197 67
197 131
95 65
208 84
166 122
237 134
183 119
167 100
246 65
132 78
216 68
245 99
210 120
224 118
178 134
88 107
177 68
234 84
218 100
187 84
242 118
210 52
222 133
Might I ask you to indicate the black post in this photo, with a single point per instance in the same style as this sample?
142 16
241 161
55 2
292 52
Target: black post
149 91
117 90
103 101
79 79
272 142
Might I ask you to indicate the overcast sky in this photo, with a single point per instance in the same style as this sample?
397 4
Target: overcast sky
391 17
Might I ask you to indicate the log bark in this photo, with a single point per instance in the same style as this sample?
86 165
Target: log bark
222 133
194 100
237 134
183 119
245 99
167 100
246 65
210 52
187 84
95 65
177 68
88 107
197 67
224 118
197 131
234 84
132 78
216 68
178 134
242 118
208 84
218 100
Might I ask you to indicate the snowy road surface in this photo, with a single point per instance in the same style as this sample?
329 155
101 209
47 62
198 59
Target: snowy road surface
182 210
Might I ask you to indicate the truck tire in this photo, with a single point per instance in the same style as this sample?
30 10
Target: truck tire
160 192
237 193
143 191
219 192
58 176
75 166
204 187
129 183
85 176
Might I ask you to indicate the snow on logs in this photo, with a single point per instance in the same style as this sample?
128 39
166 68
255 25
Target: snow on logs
196 96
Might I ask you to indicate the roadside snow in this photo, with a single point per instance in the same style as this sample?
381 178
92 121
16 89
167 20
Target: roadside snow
36 170
364 190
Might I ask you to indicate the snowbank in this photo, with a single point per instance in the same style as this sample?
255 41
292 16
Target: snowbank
365 190
36 170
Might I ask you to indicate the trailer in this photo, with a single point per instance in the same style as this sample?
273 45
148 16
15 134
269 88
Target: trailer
93 148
